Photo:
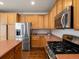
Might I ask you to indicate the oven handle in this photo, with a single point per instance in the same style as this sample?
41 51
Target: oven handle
62 20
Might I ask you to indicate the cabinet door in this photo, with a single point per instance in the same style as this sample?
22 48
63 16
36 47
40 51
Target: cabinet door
46 22
22 18
9 55
28 19
76 14
52 18
18 51
12 18
40 22
43 41
59 6
34 22
36 41
11 32
3 32
3 18
67 3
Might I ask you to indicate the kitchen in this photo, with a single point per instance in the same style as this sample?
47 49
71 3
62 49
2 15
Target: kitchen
48 29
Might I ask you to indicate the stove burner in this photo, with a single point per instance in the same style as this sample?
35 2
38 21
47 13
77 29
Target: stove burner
60 48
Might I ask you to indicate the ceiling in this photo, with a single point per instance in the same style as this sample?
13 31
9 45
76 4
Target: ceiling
41 6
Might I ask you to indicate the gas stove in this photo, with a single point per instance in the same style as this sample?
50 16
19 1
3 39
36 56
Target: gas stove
61 48
69 45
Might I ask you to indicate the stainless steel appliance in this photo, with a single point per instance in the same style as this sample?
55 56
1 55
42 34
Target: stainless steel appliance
69 45
64 19
23 33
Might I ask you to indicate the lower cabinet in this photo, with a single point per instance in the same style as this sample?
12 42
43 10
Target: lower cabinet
9 55
38 41
14 53
18 51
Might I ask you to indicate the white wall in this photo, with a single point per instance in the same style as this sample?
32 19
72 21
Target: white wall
60 32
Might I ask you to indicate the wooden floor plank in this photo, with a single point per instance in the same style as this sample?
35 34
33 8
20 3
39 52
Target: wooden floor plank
35 53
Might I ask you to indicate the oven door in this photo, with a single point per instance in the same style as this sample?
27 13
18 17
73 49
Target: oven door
50 53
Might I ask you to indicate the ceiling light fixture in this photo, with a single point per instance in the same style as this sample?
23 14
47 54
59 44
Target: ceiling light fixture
1 3
33 3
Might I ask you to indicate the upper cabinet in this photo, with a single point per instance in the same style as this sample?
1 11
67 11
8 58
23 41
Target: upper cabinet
46 22
8 18
36 20
59 6
3 18
76 14
40 22
67 3
12 18
52 15
21 18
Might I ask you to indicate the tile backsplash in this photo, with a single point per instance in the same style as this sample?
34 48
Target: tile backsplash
60 32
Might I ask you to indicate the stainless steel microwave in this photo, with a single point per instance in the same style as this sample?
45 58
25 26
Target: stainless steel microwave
64 20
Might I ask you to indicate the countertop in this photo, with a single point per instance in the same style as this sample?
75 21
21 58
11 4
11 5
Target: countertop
67 56
7 45
52 38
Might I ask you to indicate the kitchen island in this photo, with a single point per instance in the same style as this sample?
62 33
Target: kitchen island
10 49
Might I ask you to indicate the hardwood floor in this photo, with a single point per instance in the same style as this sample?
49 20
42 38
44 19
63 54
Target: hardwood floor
35 53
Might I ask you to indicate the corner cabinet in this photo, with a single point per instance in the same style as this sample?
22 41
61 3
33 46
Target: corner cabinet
76 14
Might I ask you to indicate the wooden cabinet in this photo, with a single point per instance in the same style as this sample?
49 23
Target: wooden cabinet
7 30
3 18
76 14
11 32
22 18
9 55
8 18
28 19
52 18
35 22
46 22
12 18
18 51
59 6
35 41
3 32
14 53
67 3
40 22
38 41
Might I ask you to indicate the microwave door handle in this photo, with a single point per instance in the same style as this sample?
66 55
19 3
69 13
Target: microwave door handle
62 20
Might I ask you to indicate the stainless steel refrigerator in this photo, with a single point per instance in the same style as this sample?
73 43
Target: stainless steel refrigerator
23 31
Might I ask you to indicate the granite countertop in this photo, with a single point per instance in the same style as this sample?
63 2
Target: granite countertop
52 38
7 45
67 56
